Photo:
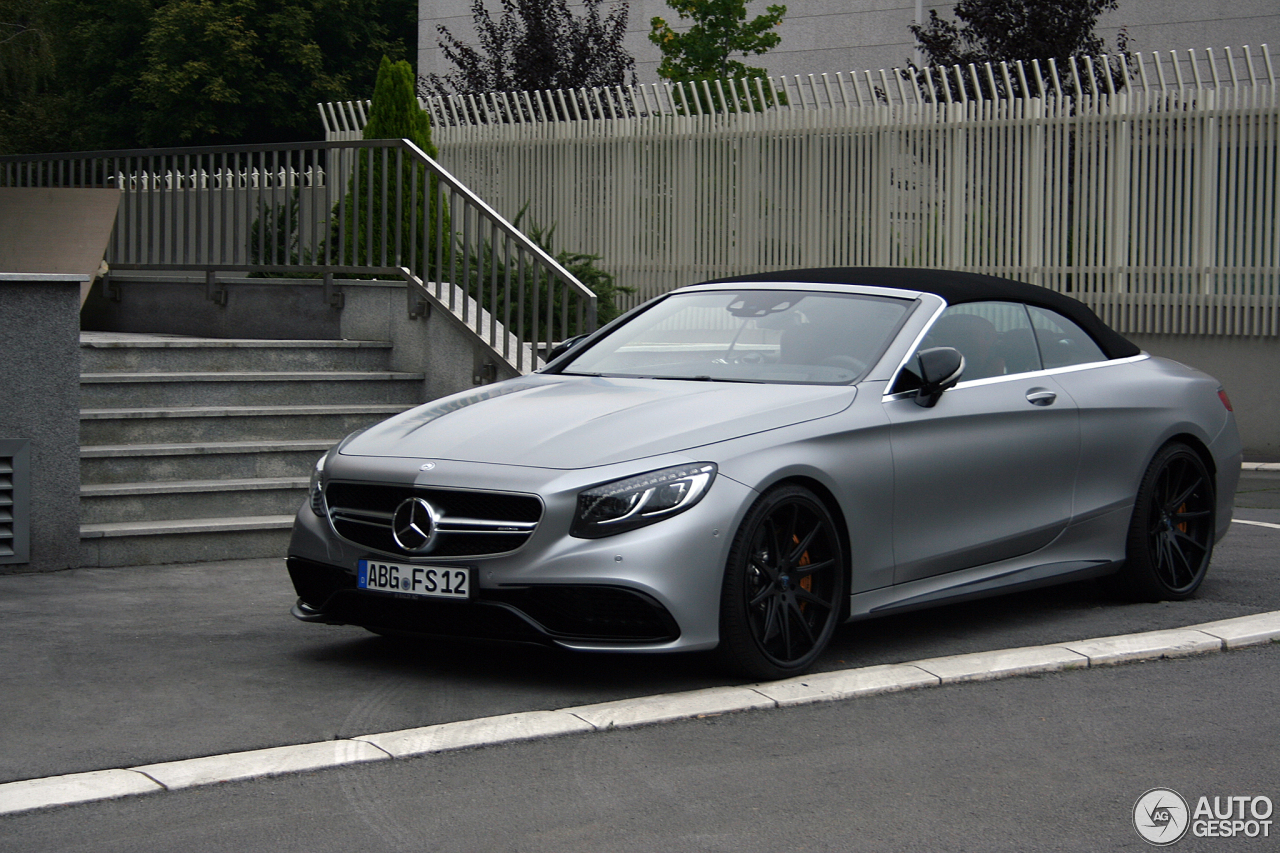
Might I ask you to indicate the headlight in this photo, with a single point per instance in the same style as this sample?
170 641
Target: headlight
315 491
636 501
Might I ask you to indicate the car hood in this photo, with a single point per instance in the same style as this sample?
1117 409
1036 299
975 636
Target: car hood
579 422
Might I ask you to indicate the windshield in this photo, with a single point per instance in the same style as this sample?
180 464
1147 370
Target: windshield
772 336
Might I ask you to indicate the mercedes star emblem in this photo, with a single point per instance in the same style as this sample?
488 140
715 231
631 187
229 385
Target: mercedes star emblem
414 525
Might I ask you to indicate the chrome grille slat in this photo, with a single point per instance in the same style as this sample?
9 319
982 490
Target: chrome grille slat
469 523
478 525
358 519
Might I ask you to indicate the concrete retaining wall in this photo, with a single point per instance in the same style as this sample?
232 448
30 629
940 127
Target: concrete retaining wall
40 402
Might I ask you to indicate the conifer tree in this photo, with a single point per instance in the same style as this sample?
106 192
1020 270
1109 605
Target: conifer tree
394 114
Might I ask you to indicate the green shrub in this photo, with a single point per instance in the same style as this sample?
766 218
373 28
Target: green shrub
485 268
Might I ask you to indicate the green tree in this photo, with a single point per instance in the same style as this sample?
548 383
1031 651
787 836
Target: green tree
393 114
228 70
134 73
720 31
537 45
1011 30
87 102
26 56
1008 30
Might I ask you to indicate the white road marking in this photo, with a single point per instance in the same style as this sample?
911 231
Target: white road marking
1256 523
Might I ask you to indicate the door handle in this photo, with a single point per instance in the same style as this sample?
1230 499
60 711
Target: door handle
1041 397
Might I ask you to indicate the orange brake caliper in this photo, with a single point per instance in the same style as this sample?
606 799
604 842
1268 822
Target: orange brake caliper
806 583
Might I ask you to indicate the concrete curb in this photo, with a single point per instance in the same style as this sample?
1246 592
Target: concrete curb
32 794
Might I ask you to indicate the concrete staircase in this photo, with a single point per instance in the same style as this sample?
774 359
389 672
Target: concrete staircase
198 449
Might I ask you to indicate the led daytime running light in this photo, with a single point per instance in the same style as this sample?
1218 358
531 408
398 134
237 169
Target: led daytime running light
637 501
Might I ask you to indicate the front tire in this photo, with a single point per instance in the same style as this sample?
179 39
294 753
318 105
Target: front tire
783 585
1173 528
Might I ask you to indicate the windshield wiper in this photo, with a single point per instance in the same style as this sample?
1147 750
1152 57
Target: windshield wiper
708 378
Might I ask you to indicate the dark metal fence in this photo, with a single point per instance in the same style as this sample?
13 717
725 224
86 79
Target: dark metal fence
372 208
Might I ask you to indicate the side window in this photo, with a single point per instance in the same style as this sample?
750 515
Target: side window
1062 342
995 338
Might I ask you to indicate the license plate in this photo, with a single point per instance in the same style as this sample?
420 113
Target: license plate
418 581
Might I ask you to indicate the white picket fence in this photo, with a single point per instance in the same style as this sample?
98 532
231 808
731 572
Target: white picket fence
1148 190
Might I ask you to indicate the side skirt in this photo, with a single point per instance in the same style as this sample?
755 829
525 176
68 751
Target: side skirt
969 584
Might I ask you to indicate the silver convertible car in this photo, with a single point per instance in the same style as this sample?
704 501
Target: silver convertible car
743 464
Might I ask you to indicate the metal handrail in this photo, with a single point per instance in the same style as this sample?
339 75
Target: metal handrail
377 208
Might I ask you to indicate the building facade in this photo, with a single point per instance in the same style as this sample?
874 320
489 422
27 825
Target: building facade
853 35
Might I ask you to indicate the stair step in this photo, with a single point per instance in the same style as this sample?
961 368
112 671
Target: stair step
197 449
225 423
131 463
101 390
191 499
187 540
113 351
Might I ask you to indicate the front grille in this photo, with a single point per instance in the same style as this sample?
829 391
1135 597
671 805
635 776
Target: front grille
470 524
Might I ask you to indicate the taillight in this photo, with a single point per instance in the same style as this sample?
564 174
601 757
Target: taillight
1226 401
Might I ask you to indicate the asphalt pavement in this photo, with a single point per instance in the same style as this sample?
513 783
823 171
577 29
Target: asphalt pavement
106 668
1046 763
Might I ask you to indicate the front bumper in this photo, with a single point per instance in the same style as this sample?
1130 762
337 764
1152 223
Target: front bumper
552 613
656 588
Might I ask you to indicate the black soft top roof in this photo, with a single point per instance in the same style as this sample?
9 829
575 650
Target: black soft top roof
956 288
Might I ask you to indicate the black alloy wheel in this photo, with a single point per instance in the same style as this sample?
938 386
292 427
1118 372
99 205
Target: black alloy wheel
1173 528
783 585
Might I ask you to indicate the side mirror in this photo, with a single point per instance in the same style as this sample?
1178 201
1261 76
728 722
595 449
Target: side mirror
565 345
939 369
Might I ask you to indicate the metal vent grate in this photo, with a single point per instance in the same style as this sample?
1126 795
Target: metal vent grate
15 501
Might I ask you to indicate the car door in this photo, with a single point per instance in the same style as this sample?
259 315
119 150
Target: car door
988 473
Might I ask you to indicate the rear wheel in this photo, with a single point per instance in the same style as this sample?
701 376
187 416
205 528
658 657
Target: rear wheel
1171 535
782 588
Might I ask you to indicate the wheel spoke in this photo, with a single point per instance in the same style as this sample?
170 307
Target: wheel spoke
786 628
807 596
1185 496
769 572
797 553
1166 563
804 623
1180 537
770 620
811 568
771 589
775 543
1175 561
1188 516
